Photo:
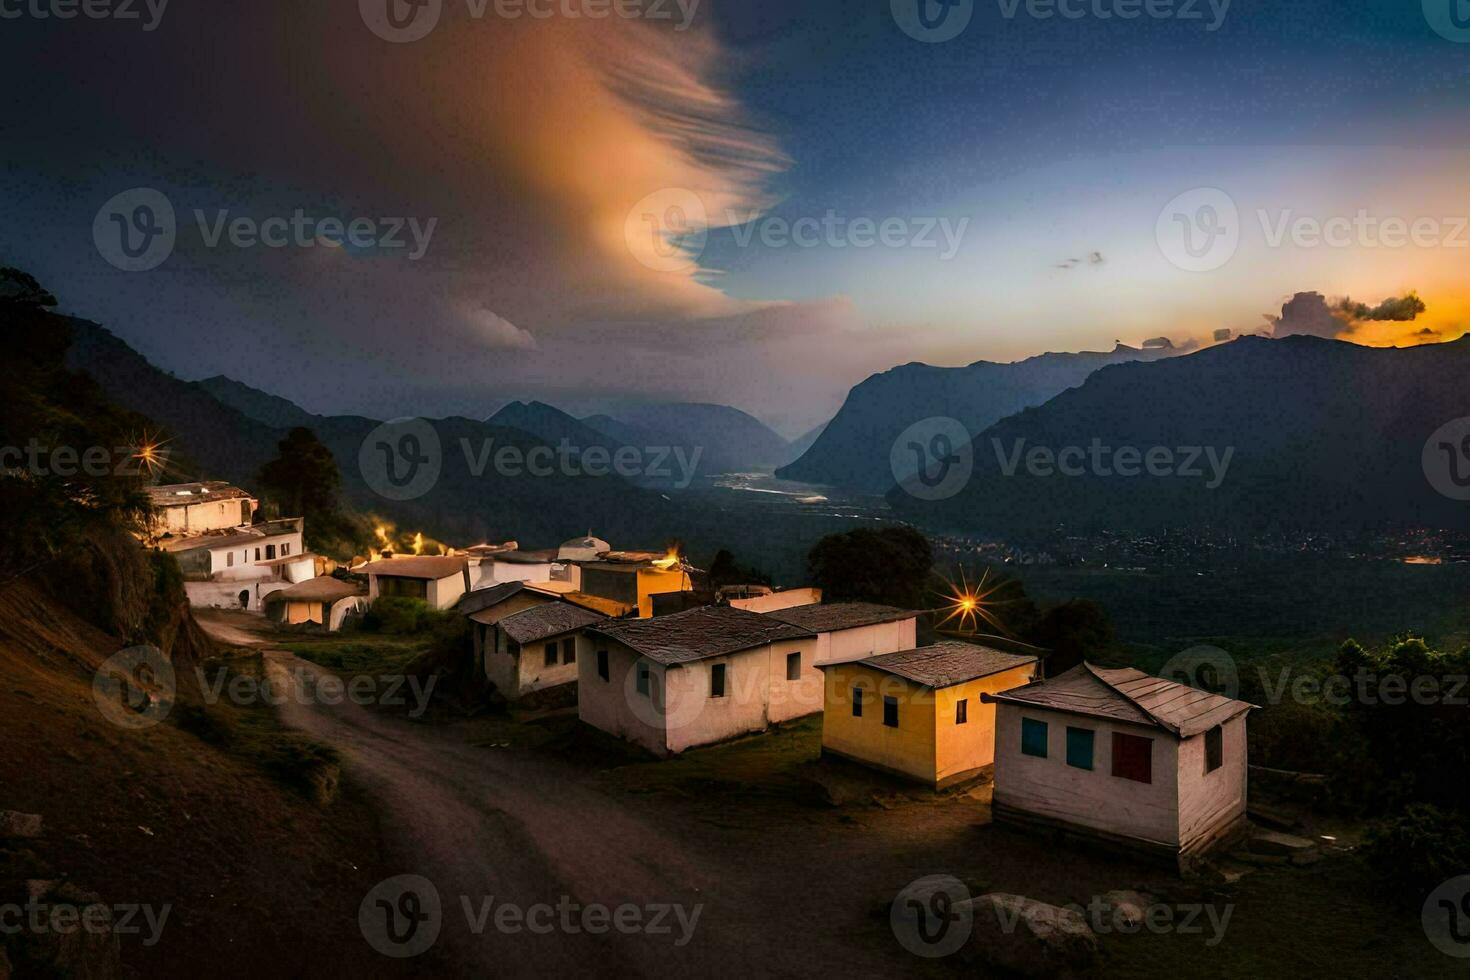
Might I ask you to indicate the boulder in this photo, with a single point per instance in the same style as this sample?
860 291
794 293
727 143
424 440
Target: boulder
1031 938
20 825
80 951
1127 909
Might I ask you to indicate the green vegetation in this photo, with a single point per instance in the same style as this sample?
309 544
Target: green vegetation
1414 852
886 565
393 615
303 481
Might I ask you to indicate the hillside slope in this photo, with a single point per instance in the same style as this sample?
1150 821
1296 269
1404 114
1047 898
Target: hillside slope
853 450
1318 434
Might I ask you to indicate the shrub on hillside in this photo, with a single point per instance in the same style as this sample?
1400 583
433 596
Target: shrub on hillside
1418 850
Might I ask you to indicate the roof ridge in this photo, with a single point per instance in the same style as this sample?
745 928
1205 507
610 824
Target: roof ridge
1168 726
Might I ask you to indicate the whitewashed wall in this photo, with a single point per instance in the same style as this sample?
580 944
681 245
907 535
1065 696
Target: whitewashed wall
1211 802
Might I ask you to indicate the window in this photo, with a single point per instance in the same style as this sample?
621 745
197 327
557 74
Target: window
551 654
285 550
569 650
602 664
793 666
962 711
890 711
1214 748
270 552
1133 757
1079 747
642 678
230 559
257 554
1033 737
717 681
857 702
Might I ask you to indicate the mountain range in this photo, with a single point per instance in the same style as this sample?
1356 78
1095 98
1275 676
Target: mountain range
1256 434
853 450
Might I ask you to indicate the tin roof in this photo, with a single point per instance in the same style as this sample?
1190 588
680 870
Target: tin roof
545 621
698 634
840 615
945 664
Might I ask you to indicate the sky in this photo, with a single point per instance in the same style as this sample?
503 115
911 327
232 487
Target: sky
747 202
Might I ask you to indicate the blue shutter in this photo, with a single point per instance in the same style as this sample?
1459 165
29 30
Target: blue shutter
1033 737
1079 747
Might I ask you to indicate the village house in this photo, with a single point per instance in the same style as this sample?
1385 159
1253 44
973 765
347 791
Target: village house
918 713
238 567
632 577
324 601
536 648
193 508
485 608
438 580
1122 757
691 678
496 568
764 599
852 630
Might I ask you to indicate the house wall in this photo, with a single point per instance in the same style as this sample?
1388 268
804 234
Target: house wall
608 704
222 595
445 592
245 569
908 750
657 581
1210 803
960 750
845 646
694 718
342 608
792 699
520 669
1095 799
212 516
779 600
490 572
483 631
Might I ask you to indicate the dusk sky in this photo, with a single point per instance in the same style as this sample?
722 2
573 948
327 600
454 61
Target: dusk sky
540 150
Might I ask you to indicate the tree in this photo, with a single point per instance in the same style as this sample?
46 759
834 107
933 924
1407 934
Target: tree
724 570
21 290
888 565
303 481
1073 632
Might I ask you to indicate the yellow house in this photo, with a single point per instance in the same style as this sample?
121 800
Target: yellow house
918 713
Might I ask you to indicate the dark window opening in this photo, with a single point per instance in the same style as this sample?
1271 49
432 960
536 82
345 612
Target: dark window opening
857 702
890 712
717 681
793 666
602 664
962 711
1214 748
1133 757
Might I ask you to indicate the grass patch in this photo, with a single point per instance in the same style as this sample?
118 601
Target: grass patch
354 654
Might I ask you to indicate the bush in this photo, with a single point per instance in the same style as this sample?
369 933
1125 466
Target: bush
1419 850
397 615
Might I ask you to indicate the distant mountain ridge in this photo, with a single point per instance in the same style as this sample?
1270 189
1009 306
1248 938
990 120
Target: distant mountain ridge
726 438
255 404
1313 434
853 450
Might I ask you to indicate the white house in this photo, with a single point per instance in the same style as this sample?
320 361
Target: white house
1123 757
238 568
438 580
499 567
695 677
193 508
536 648
324 601
848 631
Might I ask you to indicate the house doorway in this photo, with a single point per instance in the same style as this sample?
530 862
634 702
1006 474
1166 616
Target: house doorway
245 599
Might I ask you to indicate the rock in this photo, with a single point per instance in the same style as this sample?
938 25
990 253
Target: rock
1128 908
1030 938
20 825
85 947
1276 843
